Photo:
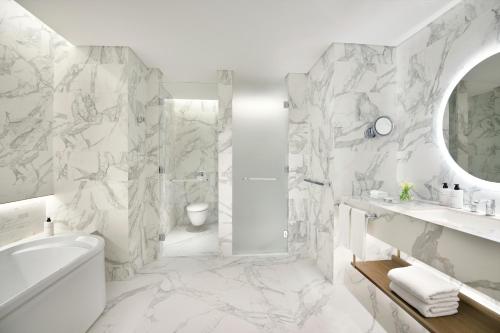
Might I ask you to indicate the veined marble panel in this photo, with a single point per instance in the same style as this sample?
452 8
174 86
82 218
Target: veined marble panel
347 89
91 177
21 219
195 149
298 136
26 95
233 294
85 108
150 176
167 165
364 88
427 62
105 179
319 157
225 160
144 86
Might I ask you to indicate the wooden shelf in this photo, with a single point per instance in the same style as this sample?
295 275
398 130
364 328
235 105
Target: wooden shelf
471 316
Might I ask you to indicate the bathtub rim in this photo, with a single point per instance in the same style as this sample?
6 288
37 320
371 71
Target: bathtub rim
24 296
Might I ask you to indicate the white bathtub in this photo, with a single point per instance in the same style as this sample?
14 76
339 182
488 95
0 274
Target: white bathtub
52 285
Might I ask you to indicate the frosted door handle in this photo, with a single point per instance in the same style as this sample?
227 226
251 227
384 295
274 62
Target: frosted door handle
264 179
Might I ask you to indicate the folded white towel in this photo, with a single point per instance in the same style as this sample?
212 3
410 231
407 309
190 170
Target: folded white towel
428 310
422 284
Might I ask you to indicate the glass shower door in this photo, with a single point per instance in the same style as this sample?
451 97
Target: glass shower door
260 189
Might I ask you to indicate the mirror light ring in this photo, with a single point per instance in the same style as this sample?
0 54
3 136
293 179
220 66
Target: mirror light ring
441 143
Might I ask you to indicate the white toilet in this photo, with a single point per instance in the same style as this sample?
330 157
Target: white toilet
197 213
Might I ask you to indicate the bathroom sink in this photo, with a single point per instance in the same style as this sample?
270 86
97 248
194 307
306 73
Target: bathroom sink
477 224
451 214
462 220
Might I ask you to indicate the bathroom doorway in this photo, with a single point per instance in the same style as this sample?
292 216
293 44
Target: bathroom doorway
188 170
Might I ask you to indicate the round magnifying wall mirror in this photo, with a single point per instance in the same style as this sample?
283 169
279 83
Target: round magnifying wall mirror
471 123
383 125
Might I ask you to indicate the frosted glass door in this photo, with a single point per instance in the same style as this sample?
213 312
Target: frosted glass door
260 181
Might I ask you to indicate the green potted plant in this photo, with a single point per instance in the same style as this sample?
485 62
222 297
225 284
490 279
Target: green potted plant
406 191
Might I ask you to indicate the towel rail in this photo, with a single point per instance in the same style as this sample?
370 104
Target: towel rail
317 182
264 179
367 216
188 180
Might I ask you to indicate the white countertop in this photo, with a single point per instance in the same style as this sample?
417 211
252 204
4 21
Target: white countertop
477 224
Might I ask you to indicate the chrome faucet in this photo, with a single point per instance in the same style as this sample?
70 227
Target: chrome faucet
490 207
473 206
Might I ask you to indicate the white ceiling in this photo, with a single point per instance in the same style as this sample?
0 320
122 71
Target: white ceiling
262 40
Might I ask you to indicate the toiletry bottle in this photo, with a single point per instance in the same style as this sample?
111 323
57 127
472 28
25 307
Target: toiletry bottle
445 195
48 227
457 197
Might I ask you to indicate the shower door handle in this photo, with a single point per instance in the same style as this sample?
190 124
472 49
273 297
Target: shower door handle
263 179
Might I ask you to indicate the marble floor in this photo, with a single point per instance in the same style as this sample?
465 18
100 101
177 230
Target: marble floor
187 240
234 295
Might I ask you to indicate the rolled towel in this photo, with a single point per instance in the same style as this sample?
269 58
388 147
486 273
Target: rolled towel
422 284
427 310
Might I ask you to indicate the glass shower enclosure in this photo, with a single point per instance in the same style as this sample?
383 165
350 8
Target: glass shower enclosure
260 177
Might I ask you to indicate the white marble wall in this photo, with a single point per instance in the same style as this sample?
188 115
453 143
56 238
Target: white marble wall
350 86
103 177
427 63
150 177
298 153
364 88
167 165
21 219
194 148
320 164
143 191
26 90
347 89
74 124
225 160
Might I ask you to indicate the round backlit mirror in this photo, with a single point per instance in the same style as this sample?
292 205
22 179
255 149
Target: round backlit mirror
383 125
471 123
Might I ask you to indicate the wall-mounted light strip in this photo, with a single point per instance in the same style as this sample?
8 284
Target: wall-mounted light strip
23 203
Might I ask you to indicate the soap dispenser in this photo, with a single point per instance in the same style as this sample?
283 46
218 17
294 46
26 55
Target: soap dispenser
457 197
48 227
445 195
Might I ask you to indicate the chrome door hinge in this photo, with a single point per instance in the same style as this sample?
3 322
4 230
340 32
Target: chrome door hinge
285 233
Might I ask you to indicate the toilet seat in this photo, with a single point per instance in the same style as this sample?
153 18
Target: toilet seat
197 207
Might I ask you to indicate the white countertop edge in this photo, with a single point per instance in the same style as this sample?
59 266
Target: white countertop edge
489 227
